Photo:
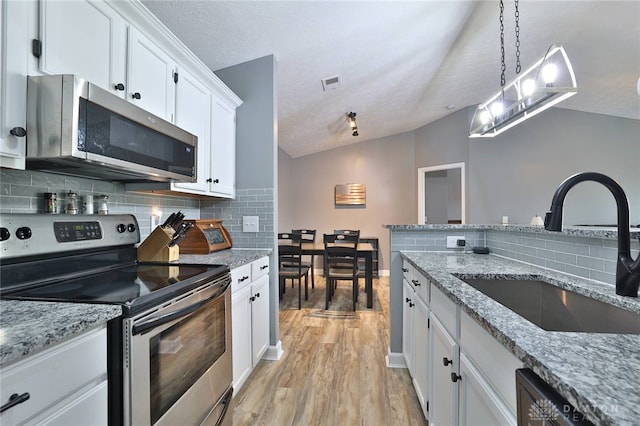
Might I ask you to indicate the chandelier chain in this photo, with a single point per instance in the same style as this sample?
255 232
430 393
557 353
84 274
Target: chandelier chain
503 66
517 15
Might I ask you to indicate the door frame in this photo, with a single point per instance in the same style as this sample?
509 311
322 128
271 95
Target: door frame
422 174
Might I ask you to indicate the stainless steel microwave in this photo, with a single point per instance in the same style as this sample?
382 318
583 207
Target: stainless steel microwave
76 128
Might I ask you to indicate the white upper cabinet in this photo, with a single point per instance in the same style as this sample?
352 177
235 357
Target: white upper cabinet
86 38
222 177
150 78
193 113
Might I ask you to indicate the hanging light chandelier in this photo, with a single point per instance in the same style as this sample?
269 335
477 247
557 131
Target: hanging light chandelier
548 81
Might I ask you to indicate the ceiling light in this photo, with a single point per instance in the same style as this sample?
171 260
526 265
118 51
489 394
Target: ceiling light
547 82
351 119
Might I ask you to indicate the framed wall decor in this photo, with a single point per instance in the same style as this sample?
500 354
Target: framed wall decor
350 194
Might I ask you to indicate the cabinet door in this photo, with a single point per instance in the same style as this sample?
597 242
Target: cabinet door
443 402
193 114
479 404
223 149
421 360
259 318
91 404
407 324
241 335
150 82
86 38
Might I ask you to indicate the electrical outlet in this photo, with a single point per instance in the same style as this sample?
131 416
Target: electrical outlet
250 224
457 241
154 221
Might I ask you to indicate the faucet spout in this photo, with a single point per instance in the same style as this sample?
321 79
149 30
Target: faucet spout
627 270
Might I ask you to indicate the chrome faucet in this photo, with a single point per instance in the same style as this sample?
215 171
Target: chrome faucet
627 270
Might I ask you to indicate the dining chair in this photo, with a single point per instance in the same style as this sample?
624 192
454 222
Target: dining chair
308 236
290 264
341 250
347 231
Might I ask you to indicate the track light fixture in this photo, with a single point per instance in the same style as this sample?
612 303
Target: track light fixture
547 82
351 119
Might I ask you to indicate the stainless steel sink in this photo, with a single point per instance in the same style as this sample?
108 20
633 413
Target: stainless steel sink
555 309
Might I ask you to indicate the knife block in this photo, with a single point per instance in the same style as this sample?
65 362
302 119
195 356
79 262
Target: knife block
154 247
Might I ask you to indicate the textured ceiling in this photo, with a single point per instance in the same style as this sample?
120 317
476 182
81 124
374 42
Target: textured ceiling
402 63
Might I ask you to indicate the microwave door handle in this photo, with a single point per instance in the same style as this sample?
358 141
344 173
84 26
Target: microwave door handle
163 319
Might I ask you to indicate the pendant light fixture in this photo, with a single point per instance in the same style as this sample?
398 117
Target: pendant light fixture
351 119
547 82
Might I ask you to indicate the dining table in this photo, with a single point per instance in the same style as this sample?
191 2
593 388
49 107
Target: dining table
364 250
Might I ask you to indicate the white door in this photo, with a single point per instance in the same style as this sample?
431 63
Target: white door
443 403
223 149
150 76
86 38
193 114
259 318
241 335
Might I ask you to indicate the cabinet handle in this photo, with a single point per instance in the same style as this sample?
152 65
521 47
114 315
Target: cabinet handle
411 305
407 300
209 180
455 377
252 298
18 132
136 95
243 279
216 181
14 400
416 283
257 295
264 267
405 270
446 362
118 86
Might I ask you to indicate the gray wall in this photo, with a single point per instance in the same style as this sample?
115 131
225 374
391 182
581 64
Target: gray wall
285 207
385 166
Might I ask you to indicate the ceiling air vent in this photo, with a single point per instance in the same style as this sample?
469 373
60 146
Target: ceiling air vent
331 83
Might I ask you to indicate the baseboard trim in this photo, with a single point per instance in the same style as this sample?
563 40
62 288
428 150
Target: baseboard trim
274 353
395 360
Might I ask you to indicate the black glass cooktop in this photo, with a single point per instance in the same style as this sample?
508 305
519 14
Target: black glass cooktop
136 285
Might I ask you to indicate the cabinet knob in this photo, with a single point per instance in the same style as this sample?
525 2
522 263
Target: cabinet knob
416 283
18 132
446 361
252 298
118 86
257 295
407 300
411 305
136 95
264 267
209 180
455 377
216 181
244 278
405 270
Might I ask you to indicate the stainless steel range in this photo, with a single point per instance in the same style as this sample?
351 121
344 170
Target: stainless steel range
169 358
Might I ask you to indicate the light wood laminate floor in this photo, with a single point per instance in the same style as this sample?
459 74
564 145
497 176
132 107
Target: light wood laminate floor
333 369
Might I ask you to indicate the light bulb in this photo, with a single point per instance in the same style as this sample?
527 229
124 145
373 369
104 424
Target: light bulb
549 73
528 87
485 117
496 108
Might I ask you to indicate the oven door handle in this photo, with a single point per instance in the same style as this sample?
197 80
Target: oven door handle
163 319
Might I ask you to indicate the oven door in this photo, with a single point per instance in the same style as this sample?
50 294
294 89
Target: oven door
178 364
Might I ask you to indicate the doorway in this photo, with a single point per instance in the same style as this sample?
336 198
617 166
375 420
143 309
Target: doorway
441 194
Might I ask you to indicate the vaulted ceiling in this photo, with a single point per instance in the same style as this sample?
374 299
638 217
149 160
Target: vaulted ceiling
402 65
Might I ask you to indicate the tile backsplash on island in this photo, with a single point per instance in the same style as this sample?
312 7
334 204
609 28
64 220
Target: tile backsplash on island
582 253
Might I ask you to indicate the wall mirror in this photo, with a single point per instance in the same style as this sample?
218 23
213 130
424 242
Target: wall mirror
441 194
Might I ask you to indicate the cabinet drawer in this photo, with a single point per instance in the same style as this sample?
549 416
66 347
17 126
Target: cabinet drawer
446 311
259 268
421 284
240 277
54 374
496 364
407 271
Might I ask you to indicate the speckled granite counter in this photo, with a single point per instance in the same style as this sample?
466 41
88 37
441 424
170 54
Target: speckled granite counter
581 231
231 257
29 327
599 373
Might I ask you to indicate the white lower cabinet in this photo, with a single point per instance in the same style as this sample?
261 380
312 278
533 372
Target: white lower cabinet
250 317
66 384
462 375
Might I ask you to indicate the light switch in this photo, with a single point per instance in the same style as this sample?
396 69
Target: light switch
250 224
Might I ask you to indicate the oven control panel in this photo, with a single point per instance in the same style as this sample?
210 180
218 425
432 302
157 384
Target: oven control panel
77 231
36 234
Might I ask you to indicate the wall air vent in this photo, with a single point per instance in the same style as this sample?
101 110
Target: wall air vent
331 83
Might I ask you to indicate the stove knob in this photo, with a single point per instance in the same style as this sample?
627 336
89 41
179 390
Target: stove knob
4 234
131 227
121 228
23 233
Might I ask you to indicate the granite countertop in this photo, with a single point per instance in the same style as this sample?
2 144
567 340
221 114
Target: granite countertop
581 231
232 257
29 327
598 373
